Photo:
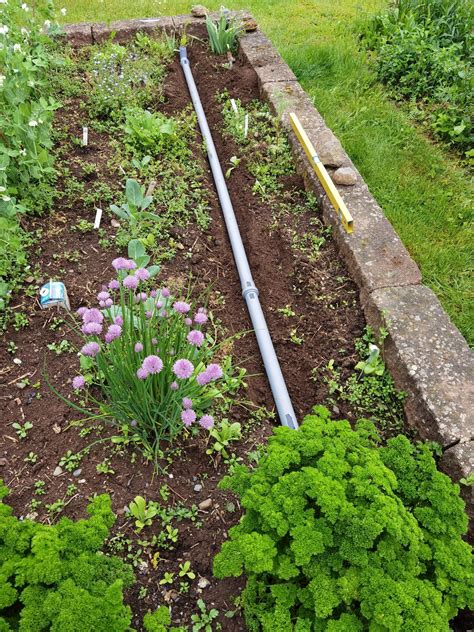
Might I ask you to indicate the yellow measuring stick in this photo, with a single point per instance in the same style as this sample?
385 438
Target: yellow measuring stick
323 175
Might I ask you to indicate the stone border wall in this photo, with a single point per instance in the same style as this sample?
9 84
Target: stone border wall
425 353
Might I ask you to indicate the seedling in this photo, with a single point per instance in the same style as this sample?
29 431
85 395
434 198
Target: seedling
11 347
223 435
234 162
295 338
142 512
134 209
40 488
185 570
374 364
70 461
168 578
62 347
286 311
22 430
32 457
203 620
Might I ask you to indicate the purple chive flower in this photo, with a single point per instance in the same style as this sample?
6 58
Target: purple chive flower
159 304
142 274
109 302
163 313
181 307
114 285
153 294
130 282
174 386
113 332
187 403
188 322
195 338
154 341
118 320
91 329
143 296
152 364
120 263
101 303
81 311
206 421
165 292
203 378
188 416
138 347
92 316
78 382
142 373
103 296
90 349
183 368
200 318
131 265
214 371
148 313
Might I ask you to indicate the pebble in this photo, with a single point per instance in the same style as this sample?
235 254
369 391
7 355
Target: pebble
345 175
206 504
3 461
58 471
77 472
199 11
197 487
203 582
81 481
16 361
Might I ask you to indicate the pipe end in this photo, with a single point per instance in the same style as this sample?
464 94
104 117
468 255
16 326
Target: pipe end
183 54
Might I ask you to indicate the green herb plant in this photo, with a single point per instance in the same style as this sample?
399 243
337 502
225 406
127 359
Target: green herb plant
223 34
342 534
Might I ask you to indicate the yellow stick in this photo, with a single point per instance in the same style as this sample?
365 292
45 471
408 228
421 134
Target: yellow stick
323 175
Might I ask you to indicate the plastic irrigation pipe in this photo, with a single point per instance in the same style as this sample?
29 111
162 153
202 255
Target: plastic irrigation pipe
249 290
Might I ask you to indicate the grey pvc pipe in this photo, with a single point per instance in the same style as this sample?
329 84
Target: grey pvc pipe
249 291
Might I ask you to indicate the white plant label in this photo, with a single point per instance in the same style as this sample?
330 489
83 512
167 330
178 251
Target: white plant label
85 136
234 106
98 217
246 126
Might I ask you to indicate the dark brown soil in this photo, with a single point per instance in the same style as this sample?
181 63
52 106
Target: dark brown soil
328 317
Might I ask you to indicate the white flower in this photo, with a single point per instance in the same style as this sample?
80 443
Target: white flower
3 29
2 79
16 48
6 198
25 32
63 11
2 189
47 24
22 152
33 123
25 7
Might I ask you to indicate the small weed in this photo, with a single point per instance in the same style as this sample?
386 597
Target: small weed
22 429
204 620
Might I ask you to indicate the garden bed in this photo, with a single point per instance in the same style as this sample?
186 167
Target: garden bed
310 301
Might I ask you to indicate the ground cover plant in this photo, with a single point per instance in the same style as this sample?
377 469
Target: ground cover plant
170 519
425 193
341 534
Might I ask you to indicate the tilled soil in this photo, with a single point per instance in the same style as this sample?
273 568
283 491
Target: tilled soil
328 317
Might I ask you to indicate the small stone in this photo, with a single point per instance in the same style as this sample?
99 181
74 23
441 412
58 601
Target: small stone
143 566
197 487
81 481
3 461
203 582
32 515
345 175
199 11
250 25
16 361
329 149
77 472
29 279
20 385
206 504
170 476
115 223
58 471
170 595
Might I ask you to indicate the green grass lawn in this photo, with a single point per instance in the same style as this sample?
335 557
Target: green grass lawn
423 192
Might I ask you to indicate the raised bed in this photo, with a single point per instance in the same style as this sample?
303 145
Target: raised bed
319 289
